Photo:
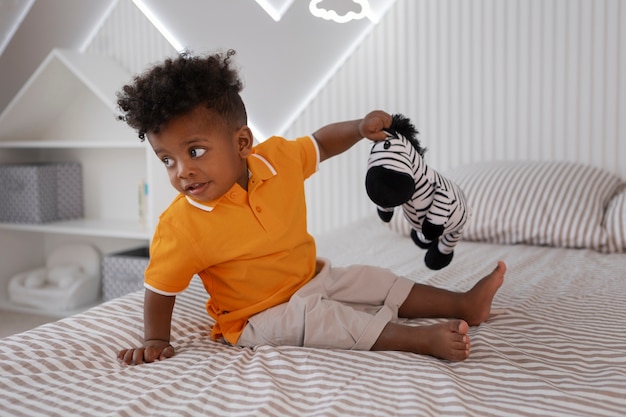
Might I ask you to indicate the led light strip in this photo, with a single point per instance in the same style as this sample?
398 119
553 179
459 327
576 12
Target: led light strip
160 26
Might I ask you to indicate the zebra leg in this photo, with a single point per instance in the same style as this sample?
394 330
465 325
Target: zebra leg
419 239
385 214
440 255
449 241
434 259
431 231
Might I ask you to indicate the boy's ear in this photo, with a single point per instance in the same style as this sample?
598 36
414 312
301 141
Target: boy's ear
245 141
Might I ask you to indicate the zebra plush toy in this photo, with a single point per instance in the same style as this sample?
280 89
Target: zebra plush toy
434 206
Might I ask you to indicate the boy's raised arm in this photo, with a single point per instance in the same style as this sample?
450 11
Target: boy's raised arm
336 138
157 313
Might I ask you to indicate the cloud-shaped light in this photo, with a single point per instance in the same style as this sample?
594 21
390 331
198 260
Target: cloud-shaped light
334 16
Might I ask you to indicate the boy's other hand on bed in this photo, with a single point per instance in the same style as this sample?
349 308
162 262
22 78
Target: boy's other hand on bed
154 350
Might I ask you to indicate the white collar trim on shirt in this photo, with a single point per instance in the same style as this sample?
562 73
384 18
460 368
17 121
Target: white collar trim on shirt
198 205
266 162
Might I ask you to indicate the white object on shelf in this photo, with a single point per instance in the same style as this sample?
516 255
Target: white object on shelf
70 279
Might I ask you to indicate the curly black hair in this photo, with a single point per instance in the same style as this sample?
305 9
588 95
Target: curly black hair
177 86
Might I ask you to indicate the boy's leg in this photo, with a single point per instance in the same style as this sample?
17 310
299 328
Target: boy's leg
472 306
447 340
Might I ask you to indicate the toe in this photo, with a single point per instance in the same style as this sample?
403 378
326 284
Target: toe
459 326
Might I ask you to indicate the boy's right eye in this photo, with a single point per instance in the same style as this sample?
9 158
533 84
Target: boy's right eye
167 161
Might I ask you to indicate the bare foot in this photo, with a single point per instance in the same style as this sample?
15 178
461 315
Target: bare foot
448 340
476 303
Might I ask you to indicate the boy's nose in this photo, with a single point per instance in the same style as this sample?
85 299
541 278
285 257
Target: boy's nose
185 170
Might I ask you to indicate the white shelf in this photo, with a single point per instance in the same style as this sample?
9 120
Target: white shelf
7 305
124 229
39 144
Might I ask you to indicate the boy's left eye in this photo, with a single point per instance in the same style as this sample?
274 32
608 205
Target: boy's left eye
197 152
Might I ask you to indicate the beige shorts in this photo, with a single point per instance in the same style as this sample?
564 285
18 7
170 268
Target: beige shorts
341 308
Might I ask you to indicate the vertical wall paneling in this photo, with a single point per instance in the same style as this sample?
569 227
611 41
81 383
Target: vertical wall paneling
610 83
557 132
620 86
130 38
483 80
585 64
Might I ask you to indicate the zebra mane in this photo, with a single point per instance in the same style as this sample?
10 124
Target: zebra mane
402 125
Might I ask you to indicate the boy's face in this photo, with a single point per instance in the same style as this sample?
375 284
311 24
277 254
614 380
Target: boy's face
202 156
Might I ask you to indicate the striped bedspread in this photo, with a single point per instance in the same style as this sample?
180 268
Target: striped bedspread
555 345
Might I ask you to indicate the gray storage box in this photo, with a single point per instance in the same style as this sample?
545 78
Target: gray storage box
40 192
122 272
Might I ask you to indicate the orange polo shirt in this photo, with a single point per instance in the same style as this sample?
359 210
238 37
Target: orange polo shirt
251 248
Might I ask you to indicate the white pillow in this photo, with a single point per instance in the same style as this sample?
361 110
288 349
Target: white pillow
539 203
615 221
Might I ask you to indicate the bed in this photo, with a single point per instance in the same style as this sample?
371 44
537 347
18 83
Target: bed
554 344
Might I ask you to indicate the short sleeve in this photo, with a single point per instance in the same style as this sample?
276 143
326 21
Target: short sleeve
173 261
310 155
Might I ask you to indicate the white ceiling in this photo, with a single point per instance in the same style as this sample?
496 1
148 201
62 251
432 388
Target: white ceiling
283 63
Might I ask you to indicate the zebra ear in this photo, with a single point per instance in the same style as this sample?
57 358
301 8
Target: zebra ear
401 125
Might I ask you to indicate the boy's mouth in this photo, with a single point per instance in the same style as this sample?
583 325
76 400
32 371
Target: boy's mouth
195 188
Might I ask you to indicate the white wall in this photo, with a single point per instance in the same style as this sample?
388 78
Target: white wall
482 80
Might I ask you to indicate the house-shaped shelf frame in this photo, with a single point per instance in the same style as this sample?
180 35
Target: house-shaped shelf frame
69 101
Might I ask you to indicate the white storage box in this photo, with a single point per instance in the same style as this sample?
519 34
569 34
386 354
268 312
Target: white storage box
40 192
122 272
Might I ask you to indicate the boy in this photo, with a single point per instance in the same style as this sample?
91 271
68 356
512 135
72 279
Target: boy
239 222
